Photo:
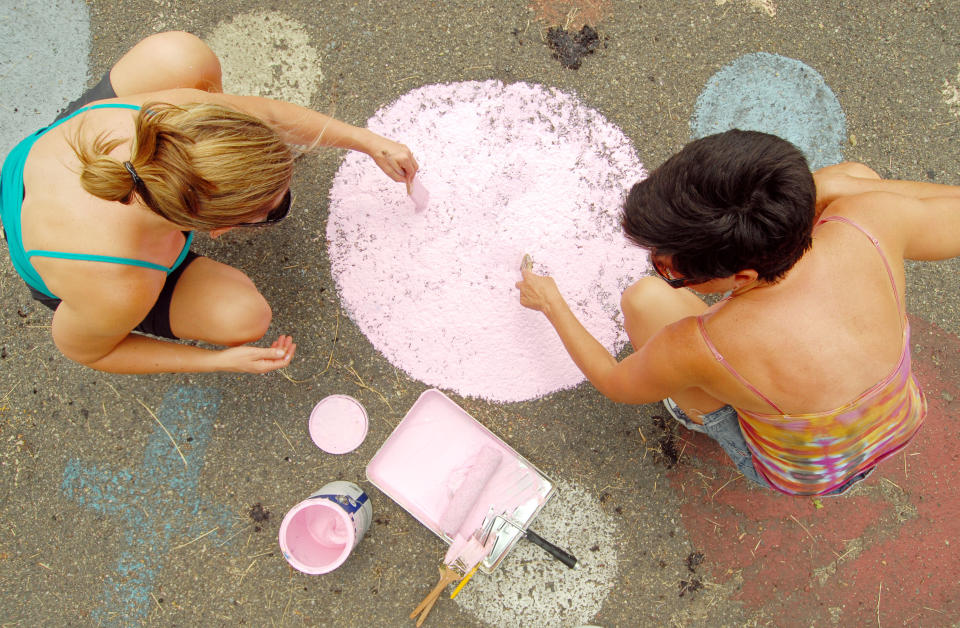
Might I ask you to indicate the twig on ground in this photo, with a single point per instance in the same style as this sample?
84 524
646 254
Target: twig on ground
733 479
283 372
285 437
891 482
336 336
879 591
169 435
363 384
235 534
246 571
196 539
804 529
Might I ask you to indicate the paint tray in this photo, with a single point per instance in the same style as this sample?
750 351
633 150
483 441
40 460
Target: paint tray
429 447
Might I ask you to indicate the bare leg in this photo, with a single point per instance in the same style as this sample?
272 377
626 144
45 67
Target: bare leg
166 61
648 306
218 304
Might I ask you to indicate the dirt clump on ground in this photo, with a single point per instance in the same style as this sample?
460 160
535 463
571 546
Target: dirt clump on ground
571 47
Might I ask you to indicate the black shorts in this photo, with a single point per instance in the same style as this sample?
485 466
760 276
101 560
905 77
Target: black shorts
101 91
157 320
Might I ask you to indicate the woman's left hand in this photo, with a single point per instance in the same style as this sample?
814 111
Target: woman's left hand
394 158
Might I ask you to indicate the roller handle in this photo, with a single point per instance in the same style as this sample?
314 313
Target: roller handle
562 555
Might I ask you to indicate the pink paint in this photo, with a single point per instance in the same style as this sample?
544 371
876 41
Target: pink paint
338 424
470 553
432 453
419 195
512 169
317 535
466 493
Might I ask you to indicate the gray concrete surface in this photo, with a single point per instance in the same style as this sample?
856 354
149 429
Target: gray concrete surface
95 531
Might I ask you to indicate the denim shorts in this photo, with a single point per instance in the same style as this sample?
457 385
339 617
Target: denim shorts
723 426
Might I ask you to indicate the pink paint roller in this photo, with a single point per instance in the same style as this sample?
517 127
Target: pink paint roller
481 469
468 548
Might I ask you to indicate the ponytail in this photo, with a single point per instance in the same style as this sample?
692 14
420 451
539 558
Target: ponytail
201 166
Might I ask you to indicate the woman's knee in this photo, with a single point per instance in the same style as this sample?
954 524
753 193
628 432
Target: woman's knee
218 304
241 319
650 304
849 168
644 294
166 61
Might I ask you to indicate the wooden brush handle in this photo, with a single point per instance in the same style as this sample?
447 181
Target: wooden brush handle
447 576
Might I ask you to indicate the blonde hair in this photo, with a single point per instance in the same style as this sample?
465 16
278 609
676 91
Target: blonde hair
200 166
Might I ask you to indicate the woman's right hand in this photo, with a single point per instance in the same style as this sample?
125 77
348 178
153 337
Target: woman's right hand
249 359
538 292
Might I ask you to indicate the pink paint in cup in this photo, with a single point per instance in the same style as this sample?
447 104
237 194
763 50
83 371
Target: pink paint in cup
318 534
338 424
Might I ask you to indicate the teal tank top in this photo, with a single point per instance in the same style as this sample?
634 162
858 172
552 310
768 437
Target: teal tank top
11 203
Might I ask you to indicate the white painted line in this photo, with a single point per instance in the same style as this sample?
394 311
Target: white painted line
530 588
951 94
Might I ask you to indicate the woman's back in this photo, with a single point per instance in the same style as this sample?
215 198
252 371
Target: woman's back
830 330
67 233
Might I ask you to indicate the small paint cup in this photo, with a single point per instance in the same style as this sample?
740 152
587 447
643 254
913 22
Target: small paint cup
318 534
338 424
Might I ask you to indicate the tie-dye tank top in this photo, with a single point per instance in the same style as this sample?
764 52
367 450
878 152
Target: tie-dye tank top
813 454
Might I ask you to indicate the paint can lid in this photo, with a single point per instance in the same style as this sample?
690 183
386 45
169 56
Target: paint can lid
338 424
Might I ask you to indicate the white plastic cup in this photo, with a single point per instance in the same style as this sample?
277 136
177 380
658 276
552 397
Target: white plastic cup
318 534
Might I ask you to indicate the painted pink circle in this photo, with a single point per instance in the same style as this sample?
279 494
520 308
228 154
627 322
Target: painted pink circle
511 169
338 424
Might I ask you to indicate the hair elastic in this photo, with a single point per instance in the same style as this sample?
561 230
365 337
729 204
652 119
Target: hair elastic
133 173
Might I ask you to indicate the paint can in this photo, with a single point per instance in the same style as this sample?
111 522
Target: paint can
338 424
318 534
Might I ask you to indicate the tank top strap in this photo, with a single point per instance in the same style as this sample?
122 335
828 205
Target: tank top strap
116 105
740 378
901 306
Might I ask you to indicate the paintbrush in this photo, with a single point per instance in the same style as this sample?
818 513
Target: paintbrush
464 551
418 194
559 553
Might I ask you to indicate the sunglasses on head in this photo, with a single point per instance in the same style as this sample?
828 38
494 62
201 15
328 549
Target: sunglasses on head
275 215
673 282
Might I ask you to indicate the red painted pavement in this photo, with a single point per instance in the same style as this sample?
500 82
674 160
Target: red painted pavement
886 553
571 14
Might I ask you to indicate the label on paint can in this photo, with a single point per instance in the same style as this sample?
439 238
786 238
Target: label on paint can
354 502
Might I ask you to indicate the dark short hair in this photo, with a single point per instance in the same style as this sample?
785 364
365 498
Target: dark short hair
727 202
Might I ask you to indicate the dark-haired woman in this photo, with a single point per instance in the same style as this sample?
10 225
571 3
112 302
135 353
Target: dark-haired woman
100 207
803 373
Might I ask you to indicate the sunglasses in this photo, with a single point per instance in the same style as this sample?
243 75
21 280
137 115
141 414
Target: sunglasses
275 215
673 282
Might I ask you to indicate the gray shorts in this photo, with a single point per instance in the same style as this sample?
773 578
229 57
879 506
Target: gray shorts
723 426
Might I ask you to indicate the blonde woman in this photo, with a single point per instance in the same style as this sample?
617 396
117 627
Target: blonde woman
100 207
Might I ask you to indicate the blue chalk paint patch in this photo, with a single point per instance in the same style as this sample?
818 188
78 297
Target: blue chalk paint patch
159 502
777 95
44 45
